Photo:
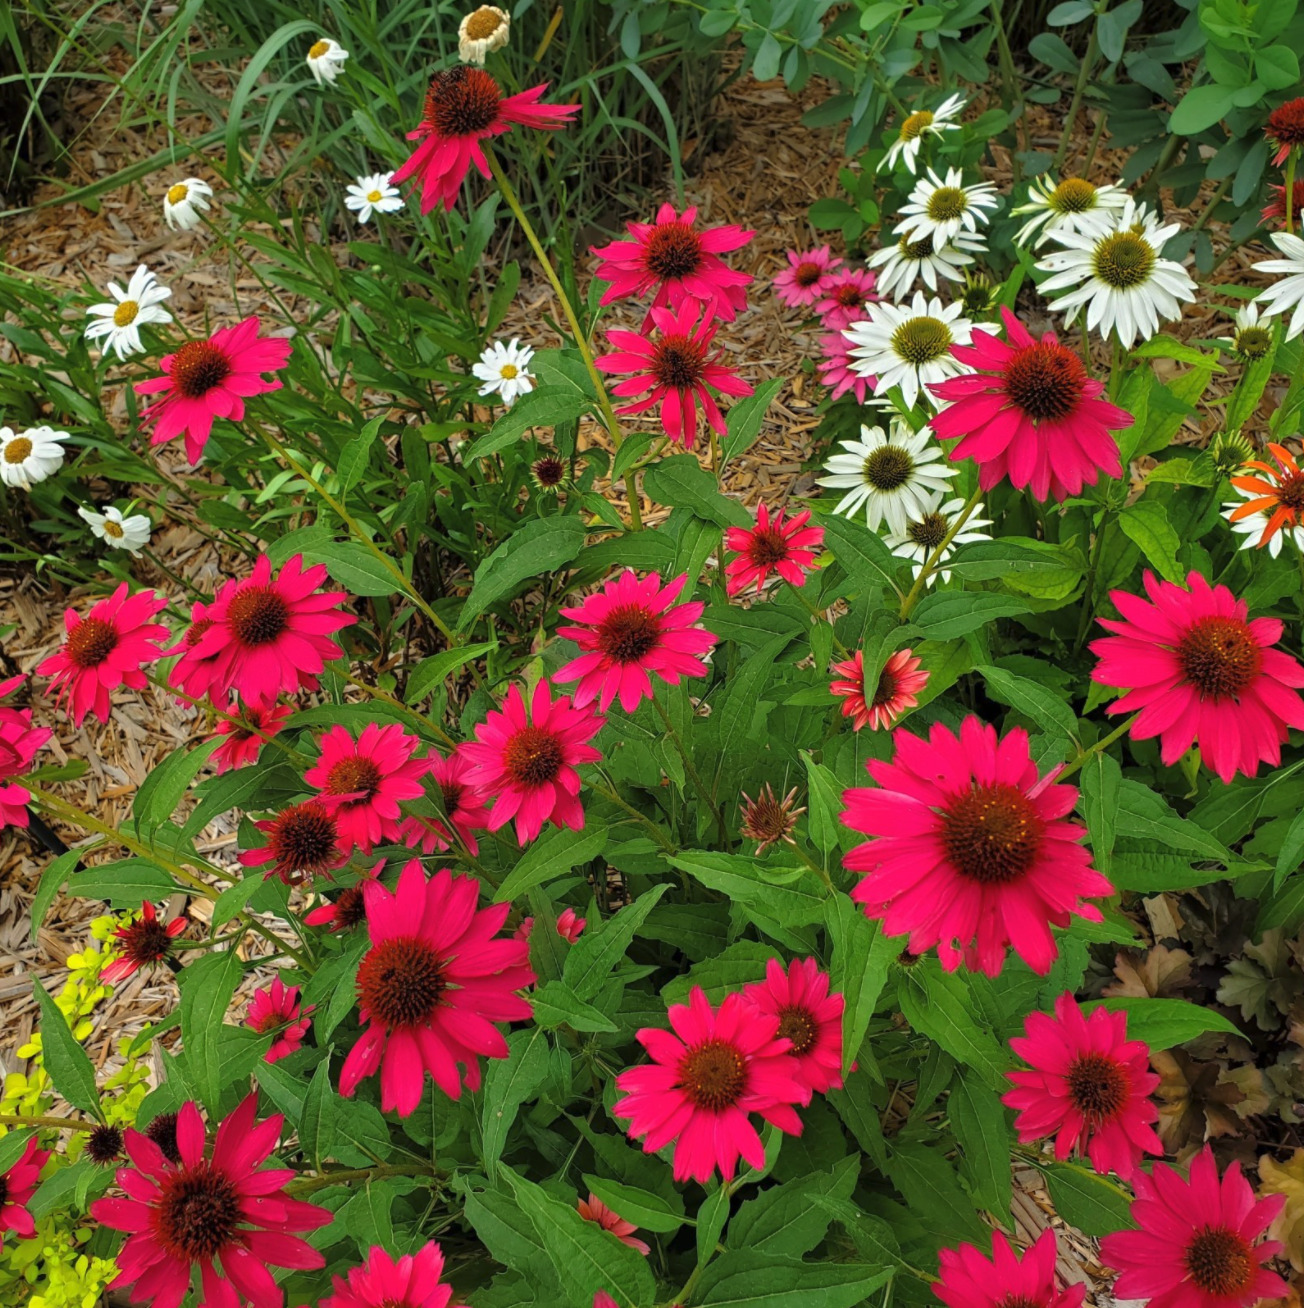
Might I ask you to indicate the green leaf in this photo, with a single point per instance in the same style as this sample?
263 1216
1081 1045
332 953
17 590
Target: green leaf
231 902
742 1279
124 884
206 989
1146 524
544 406
12 1145
1030 698
317 1122
51 882
862 956
162 790
537 548
556 1004
648 1211
65 1060
508 1083
357 569
1101 779
1200 108
355 455
1166 1023
550 858
863 555
741 879
947 614
1143 814
599 949
742 962
711 1217
746 417
1277 67
980 1125
785 1220
1083 1199
430 672
939 1005
1291 852
681 482
824 799
510 1237
932 1190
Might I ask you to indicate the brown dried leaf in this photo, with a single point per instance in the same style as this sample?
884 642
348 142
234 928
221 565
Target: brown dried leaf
1159 972
1286 1179
1193 1105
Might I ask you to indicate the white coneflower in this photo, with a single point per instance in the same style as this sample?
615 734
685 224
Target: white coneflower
892 476
1071 205
908 345
184 202
119 321
944 207
1250 340
1289 292
1120 275
325 60
921 123
482 31
373 194
505 369
921 536
117 532
906 262
30 457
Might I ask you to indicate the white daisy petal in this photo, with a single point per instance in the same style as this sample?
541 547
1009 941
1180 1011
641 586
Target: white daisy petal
505 369
31 456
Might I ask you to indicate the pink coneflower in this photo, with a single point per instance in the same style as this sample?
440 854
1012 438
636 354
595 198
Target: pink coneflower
836 372
601 1299
1285 129
146 942
769 819
465 106
348 909
1029 412
682 264
809 1017
211 379
269 634
898 687
973 851
523 929
223 1215
1089 1087
527 761
275 1009
465 808
364 781
628 630
967 1278
19 743
244 731
773 545
431 987
593 1209
679 370
569 925
843 296
803 281
104 650
1196 1244
705 1080
192 674
303 841
1276 207
411 1281
17 1186
1201 672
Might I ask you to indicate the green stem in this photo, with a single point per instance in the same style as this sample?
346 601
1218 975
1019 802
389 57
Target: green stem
609 793
53 1123
1079 90
1098 748
1094 143
1088 595
1010 80
1214 201
693 775
799 592
309 1183
1290 190
930 564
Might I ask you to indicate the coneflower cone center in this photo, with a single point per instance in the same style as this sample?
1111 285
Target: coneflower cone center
797 1023
1045 381
713 1075
1286 123
533 757
197 367
462 102
198 1213
992 834
1220 1261
1290 492
673 250
352 776
103 1146
929 531
916 250
888 468
1219 657
401 982
628 633
350 908
1073 195
947 203
257 615
916 123
1124 260
17 449
163 1132
849 295
91 641
549 471
1253 342
807 273
921 340
305 837
679 362
1098 1087
146 941
885 691
767 547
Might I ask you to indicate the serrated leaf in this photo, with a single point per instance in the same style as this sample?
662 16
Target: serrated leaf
556 1004
1089 1202
206 989
938 1004
681 482
317 1122
861 958
355 455
1030 698
1101 778
536 548
981 1127
124 884
785 1220
947 614
648 1211
508 1083
593 956
162 790
1146 524
741 1279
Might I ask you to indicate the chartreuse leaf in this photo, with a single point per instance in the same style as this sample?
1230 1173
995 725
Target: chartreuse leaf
65 1060
651 1212
206 989
508 1083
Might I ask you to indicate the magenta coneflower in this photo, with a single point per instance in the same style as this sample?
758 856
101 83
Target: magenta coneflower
348 909
465 808
802 282
1196 1244
835 369
223 1215
146 942
303 841
809 1017
967 1278
1089 1087
898 687
570 925
705 1080
1285 129
19 743
192 674
211 379
104 650
464 107
681 264
1201 671
383 1281
364 781
679 370
269 634
1276 207
593 1209
244 731
628 630
789 548
275 1010
972 849
436 979
843 296
1029 412
17 1186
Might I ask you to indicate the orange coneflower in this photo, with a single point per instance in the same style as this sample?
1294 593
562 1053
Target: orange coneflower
1277 492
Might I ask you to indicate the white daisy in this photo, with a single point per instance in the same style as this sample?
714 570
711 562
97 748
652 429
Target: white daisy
374 194
506 369
1120 275
1253 525
325 60
907 261
908 345
31 457
1290 290
944 207
119 321
921 536
1072 205
1250 340
184 202
482 31
117 532
921 123
893 477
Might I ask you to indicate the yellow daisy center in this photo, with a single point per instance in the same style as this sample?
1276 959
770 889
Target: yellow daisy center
374 197
177 193
17 449
483 23
125 314
111 528
1073 195
319 48
508 371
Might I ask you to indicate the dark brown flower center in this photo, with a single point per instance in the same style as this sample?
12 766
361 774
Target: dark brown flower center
145 942
678 362
304 838
1046 381
713 1075
1098 1087
888 467
163 1131
451 793
350 908
797 1024
767 818
767 547
673 251
354 775
848 295
196 632
807 273
104 1145
549 472
197 367
401 982
462 101
930 531
1219 657
1290 492
1286 123
257 615
885 691
628 633
90 642
533 757
992 834
483 24
198 1213
1220 1261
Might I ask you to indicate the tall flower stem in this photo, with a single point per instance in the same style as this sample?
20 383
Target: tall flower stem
1089 593
930 564
610 421
1099 747
51 1123
693 774
799 592
1079 90
1290 190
